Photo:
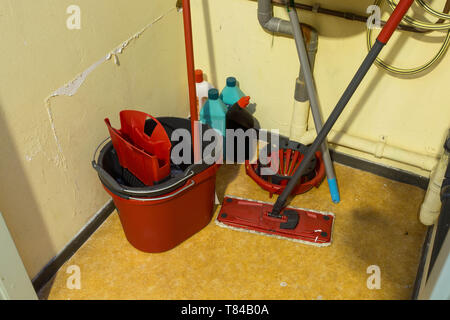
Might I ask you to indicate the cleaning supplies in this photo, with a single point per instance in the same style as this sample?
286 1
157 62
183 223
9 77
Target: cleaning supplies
157 218
287 222
238 117
202 88
214 112
231 93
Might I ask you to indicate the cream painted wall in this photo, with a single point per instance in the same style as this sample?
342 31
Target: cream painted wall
412 113
48 189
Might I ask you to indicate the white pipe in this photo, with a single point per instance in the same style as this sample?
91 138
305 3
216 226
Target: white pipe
378 149
299 119
431 206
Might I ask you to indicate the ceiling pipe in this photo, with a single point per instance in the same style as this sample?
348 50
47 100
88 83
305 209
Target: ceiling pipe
273 24
317 8
269 22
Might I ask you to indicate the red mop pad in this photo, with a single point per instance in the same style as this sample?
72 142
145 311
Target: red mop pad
299 225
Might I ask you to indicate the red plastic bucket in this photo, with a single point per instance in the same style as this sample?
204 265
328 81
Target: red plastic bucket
159 224
159 217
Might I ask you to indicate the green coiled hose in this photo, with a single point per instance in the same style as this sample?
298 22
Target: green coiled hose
421 25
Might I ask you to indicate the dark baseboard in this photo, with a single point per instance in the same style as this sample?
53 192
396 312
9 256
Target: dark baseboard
380 170
48 272
422 263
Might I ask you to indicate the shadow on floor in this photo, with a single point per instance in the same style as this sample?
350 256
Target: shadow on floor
374 235
227 174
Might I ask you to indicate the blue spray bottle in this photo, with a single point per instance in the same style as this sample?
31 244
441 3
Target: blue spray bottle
214 114
231 93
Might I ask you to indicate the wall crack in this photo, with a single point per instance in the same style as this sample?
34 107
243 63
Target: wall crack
71 88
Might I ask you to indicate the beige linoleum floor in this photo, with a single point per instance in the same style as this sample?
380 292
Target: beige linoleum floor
376 224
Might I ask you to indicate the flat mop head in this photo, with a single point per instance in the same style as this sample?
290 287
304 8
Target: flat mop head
299 225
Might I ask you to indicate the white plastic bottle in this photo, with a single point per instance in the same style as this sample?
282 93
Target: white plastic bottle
202 88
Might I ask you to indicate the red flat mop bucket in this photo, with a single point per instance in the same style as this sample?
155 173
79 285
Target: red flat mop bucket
157 218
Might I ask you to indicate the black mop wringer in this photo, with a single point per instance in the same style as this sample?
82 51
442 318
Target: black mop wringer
303 225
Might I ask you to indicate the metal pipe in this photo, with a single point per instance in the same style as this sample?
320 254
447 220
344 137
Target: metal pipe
312 45
272 24
377 149
344 15
312 94
343 101
269 22
304 89
431 206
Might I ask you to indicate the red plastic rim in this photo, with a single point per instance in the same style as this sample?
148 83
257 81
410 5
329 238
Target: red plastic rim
302 187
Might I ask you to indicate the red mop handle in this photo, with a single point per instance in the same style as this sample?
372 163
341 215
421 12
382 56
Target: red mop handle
394 20
190 58
191 76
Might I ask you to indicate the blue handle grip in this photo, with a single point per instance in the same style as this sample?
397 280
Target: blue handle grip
334 191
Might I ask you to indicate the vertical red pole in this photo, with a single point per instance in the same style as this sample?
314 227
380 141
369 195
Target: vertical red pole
191 75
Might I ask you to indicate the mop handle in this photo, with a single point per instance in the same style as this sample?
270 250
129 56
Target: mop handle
382 39
191 76
394 20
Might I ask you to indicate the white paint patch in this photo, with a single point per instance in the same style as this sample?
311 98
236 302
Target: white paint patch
283 284
116 60
33 149
60 159
72 87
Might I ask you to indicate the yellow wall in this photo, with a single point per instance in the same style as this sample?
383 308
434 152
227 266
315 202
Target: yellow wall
412 114
48 189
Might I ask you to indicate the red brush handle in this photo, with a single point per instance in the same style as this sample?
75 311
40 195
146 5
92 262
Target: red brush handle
191 75
190 58
394 20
